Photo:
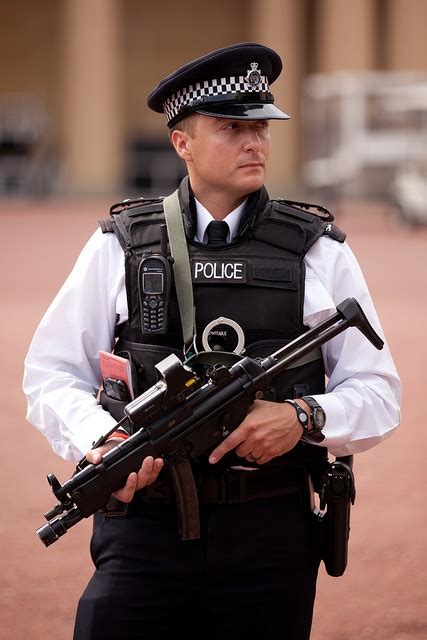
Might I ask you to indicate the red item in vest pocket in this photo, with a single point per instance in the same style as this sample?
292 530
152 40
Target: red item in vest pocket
116 368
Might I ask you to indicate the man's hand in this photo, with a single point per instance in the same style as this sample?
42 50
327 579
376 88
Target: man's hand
147 474
269 430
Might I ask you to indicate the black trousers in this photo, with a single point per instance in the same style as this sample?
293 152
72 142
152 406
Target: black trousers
251 575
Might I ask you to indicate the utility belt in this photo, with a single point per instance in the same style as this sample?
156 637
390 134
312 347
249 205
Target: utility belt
231 486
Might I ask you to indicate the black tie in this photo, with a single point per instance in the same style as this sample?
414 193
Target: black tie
217 231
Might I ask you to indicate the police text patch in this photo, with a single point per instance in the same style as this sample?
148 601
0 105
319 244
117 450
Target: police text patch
209 271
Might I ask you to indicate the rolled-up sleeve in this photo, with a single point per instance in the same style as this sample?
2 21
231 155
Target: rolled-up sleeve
363 389
61 370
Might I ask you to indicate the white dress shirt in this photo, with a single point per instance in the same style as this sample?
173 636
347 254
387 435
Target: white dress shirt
61 378
204 218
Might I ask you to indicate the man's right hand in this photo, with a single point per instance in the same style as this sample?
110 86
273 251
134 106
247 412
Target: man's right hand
147 474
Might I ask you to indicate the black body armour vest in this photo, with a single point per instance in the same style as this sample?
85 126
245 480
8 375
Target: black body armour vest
257 281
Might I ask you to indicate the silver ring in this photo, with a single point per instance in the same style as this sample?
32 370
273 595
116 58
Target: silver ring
252 458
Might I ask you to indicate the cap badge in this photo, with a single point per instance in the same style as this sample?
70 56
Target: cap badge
253 76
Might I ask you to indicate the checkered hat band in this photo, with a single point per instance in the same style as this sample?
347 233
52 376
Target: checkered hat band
223 86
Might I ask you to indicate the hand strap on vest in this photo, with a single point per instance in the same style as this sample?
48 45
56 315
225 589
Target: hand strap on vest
181 267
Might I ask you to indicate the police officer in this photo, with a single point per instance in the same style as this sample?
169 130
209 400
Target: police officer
263 271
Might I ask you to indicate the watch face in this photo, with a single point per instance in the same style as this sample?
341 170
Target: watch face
319 418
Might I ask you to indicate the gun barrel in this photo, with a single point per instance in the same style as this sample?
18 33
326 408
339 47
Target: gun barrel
54 529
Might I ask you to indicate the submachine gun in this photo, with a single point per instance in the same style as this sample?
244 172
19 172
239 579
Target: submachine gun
179 419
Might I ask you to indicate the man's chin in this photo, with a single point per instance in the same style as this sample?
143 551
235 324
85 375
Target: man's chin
252 183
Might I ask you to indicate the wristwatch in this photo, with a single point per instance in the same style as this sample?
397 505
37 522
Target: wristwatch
317 421
301 415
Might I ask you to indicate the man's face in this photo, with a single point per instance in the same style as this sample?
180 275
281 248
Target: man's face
227 156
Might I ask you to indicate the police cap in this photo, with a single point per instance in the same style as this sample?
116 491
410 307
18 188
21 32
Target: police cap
232 82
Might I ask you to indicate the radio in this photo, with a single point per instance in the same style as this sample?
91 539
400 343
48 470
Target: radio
154 280
154 283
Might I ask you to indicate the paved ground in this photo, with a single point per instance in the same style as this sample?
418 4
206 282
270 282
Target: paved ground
382 595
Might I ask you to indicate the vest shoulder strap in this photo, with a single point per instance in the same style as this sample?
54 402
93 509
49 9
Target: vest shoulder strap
305 211
124 214
296 226
107 225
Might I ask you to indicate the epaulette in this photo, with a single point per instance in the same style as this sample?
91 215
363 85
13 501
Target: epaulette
133 208
123 214
334 232
308 212
107 225
299 209
137 206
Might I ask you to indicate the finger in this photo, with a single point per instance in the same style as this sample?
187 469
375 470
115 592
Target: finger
253 457
94 455
230 443
157 467
257 462
246 449
126 493
263 459
148 472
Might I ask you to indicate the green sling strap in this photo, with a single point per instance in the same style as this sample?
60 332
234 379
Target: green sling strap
181 267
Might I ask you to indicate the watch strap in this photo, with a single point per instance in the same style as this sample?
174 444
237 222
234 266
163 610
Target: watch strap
311 402
302 415
314 433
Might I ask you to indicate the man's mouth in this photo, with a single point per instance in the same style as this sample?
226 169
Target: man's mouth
252 164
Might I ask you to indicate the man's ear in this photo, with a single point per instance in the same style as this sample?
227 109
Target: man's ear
181 140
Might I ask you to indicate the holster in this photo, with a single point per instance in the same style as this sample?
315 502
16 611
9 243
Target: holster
337 494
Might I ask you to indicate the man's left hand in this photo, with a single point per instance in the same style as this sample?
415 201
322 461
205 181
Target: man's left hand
269 430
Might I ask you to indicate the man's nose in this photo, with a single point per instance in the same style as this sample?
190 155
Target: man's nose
252 140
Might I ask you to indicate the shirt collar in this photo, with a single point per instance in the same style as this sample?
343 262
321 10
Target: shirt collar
204 218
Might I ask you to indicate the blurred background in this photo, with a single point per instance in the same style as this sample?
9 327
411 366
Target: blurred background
76 136
74 76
